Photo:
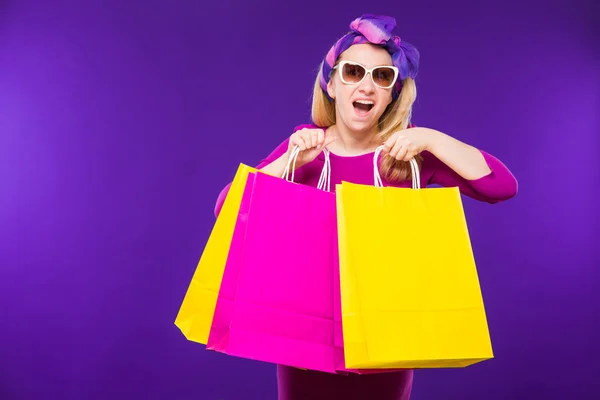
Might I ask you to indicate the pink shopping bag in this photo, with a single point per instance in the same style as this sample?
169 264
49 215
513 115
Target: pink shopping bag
279 300
276 298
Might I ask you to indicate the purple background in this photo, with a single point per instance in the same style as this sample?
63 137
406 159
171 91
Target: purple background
120 123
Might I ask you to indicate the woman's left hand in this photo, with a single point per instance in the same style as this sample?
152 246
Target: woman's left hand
407 143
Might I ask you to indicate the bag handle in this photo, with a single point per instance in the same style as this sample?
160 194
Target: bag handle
324 179
291 159
416 178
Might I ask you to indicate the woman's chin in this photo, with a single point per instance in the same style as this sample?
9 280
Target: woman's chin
359 123
362 126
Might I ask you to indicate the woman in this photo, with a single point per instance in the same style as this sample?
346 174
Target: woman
363 97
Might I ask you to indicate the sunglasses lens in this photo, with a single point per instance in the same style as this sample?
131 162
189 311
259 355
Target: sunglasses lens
353 73
383 76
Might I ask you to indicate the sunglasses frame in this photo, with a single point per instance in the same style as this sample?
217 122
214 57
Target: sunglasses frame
368 71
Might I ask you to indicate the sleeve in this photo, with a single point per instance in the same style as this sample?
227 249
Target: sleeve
275 154
499 185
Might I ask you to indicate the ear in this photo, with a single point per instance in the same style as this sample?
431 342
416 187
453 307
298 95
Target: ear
330 90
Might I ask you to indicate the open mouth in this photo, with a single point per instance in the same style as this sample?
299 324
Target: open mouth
362 108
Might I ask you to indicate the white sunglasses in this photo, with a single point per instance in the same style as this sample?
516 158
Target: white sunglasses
352 73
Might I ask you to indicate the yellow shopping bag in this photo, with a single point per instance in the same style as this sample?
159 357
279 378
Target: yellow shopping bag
196 312
409 286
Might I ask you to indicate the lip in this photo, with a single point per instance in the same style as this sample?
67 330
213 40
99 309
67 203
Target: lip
368 114
364 99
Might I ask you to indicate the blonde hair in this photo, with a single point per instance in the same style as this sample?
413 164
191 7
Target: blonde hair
396 116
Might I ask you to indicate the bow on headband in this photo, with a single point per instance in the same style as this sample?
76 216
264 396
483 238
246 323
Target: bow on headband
376 30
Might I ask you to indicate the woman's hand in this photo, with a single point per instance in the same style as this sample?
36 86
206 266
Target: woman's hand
311 143
407 143
466 160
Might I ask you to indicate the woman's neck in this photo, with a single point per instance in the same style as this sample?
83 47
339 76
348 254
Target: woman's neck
351 143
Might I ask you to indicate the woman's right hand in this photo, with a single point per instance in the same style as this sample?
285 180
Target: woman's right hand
311 143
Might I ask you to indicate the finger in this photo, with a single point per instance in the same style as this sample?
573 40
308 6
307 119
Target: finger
402 152
320 138
308 140
293 143
389 144
410 154
298 141
396 147
305 143
314 139
391 141
328 140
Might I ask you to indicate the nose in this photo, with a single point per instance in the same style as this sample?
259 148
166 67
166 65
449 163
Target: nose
367 86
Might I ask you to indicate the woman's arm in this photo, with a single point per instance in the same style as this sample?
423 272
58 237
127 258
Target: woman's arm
477 174
450 162
466 160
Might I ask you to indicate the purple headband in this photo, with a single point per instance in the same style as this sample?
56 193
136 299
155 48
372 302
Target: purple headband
375 29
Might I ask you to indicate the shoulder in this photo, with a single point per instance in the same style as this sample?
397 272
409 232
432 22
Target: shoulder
308 126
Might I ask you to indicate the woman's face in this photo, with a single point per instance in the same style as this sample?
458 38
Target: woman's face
359 106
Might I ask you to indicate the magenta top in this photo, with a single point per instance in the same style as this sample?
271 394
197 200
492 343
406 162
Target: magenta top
497 186
296 384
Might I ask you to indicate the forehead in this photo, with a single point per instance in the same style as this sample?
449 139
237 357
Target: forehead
367 54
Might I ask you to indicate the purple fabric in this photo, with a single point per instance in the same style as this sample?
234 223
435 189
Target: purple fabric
376 30
297 384
497 186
